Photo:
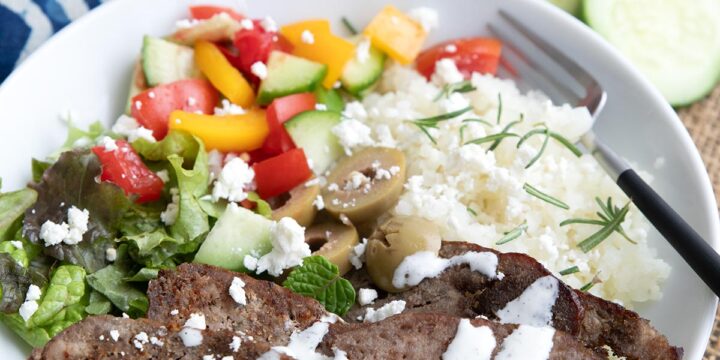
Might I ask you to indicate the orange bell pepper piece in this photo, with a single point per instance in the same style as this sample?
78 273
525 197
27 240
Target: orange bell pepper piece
396 34
237 133
224 77
325 48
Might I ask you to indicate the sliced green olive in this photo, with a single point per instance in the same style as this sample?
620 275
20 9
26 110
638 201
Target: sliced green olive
334 242
297 204
395 239
366 184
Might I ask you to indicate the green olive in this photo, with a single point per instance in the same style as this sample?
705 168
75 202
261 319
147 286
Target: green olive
395 239
334 242
297 204
366 184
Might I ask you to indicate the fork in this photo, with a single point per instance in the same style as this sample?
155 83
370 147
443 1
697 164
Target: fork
701 257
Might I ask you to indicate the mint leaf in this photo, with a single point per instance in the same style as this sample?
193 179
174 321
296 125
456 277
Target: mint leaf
320 279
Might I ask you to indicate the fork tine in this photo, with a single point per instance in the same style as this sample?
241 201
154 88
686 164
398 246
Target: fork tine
577 72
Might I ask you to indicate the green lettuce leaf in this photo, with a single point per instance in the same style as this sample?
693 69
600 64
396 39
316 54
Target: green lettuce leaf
71 181
320 279
139 219
78 138
144 275
157 249
192 221
12 207
38 169
98 304
19 255
111 282
67 287
36 337
177 143
15 280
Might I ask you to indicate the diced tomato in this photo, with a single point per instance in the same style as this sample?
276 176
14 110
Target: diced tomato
124 168
279 111
204 12
152 107
470 55
256 45
281 173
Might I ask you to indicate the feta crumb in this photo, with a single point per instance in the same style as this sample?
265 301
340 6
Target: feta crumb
33 293
78 219
53 233
130 128
345 220
321 107
196 321
235 344
101 337
362 50
247 24
191 101
140 339
259 69
307 37
208 357
163 175
367 296
234 178
319 202
394 170
16 244
451 48
392 308
446 72
108 143
333 187
191 337
142 133
138 104
155 341
111 254
269 24
337 84
151 94
27 309
125 316
229 357
237 291
170 214
250 262
357 255
228 108
289 247
427 17
352 133
381 174
115 335
174 312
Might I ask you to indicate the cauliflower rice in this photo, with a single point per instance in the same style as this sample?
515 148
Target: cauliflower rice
447 179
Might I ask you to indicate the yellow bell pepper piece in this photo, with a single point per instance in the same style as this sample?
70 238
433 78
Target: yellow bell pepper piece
237 133
325 48
396 34
224 77
293 32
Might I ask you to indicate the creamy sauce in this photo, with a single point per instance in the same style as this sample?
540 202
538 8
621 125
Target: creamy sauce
470 342
303 344
527 343
422 265
534 305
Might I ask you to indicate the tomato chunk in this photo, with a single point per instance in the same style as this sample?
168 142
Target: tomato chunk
470 55
279 111
152 107
124 168
256 45
281 173
204 12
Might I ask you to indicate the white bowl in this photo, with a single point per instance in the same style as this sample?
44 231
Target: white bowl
86 68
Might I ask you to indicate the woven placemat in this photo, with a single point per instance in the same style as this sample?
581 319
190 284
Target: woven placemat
703 122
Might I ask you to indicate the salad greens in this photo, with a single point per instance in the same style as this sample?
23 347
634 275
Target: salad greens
16 279
12 207
320 279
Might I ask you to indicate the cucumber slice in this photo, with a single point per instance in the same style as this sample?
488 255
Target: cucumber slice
237 233
312 131
137 84
164 62
330 98
675 43
358 77
288 74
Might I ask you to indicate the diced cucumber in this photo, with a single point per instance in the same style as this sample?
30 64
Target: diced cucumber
359 76
675 43
164 62
312 131
288 74
237 233
330 98
137 84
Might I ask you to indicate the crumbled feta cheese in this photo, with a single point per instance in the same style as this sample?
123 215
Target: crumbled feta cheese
269 24
208 357
111 254
228 357
333 187
108 144
319 203
392 308
234 178
130 128
381 174
235 344
237 291
33 293
307 37
357 179
53 233
362 50
170 214
16 244
425 16
101 337
164 175
155 341
125 316
191 337
246 24
321 107
115 335
355 110
228 108
451 48
352 133
174 312
27 309
367 296
140 339
138 104
196 321
78 219
289 247
446 72
344 219
250 262
151 94
142 133
357 255
191 101
259 69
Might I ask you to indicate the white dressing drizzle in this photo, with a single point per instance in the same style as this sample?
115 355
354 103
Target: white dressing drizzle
527 343
534 305
425 264
470 342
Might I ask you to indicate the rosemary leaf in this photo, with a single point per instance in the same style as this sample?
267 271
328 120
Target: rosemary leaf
529 134
427 133
484 122
442 117
462 133
349 26
565 142
490 138
602 234
540 152
512 234
504 130
471 211
570 270
587 286
458 87
500 107
531 190
583 221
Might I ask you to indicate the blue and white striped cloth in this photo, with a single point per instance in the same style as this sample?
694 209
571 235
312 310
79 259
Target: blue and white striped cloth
26 24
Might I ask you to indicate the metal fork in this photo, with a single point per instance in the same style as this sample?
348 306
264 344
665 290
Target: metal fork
701 257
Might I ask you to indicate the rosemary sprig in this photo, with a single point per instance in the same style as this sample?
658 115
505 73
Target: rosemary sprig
471 211
500 108
458 87
570 270
491 138
349 25
588 286
478 120
432 122
548 135
611 221
531 190
505 130
512 234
